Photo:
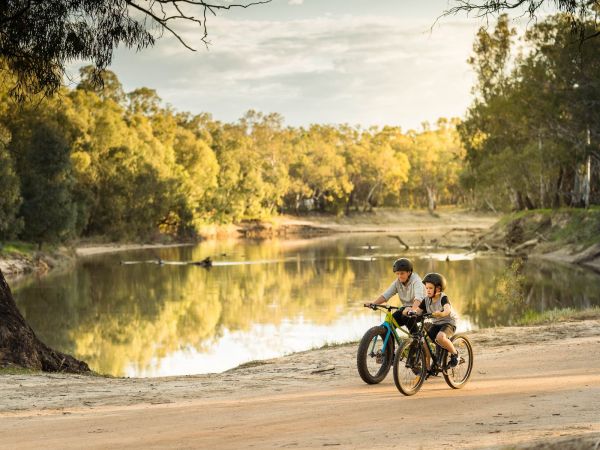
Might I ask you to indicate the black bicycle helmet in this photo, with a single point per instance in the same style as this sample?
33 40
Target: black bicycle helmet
436 279
402 264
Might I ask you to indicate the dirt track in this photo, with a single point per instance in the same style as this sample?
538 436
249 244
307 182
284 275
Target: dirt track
518 394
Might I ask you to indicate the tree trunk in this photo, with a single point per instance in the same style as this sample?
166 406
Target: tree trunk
370 195
558 192
19 346
528 203
430 199
517 200
350 202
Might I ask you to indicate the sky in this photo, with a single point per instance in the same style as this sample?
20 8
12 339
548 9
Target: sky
383 62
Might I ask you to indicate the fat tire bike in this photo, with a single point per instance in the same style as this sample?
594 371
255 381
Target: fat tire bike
410 361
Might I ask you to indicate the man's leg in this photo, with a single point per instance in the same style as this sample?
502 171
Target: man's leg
409 322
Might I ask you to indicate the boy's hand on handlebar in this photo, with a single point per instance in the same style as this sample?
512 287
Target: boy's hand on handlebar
373 306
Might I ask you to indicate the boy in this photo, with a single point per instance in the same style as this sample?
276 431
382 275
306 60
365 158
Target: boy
444 318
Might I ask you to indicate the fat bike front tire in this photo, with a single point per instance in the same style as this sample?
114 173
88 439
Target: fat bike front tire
372 360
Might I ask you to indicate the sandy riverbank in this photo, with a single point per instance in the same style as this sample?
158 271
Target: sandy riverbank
529 384
450 227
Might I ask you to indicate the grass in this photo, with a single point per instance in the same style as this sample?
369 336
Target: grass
247 365
564 226
14 370
558 315
581 228
17 248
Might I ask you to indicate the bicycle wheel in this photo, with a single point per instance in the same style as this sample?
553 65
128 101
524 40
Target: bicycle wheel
372 360
457 377
409 367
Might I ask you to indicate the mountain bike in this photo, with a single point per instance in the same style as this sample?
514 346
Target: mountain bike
376 349
411 361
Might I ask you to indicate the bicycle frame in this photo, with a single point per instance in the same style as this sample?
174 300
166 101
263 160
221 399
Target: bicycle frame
427 342
391 325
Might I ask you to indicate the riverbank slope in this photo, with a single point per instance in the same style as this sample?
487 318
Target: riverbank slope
567 235
530 385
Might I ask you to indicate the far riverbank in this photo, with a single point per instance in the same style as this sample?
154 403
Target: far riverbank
449 226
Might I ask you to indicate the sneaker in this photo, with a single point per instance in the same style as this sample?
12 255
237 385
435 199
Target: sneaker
453 360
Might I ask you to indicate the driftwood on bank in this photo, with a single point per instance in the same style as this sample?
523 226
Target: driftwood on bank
467 230
399 239
588 255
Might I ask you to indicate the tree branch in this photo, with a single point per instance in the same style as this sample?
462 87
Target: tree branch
163 17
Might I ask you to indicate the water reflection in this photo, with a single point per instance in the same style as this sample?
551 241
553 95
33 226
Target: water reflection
150 319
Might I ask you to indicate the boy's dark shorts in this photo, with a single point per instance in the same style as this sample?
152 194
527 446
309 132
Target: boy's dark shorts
446 328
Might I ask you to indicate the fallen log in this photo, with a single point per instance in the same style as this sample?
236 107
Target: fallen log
399 239
526 244
206 262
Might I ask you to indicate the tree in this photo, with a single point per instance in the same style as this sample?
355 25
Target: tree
38 38
532 133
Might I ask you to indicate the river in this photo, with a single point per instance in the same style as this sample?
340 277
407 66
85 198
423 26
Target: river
263 299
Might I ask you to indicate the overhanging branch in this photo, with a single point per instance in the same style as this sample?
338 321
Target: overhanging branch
156 10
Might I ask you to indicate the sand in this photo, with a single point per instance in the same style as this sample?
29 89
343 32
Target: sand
529 385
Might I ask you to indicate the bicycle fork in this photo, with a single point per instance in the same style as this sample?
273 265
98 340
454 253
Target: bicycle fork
379 358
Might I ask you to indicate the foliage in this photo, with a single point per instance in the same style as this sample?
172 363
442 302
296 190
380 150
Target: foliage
532 131
96 160
509 285
10 200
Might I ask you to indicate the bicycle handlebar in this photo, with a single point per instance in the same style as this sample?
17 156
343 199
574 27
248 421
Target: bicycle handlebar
374 307
423 316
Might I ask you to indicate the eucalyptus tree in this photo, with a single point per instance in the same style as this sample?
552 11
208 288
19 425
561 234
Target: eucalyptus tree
532 133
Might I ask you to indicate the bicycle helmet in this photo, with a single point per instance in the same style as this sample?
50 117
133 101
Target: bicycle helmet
436 279
402 264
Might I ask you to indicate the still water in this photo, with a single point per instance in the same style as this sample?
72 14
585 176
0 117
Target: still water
263 299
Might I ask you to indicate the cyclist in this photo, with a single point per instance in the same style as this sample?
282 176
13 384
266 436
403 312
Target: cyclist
410 289
444 317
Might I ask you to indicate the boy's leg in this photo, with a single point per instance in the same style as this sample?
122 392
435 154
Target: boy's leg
442 338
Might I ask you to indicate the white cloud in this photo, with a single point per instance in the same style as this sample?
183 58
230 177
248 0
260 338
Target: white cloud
360 70
295 2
